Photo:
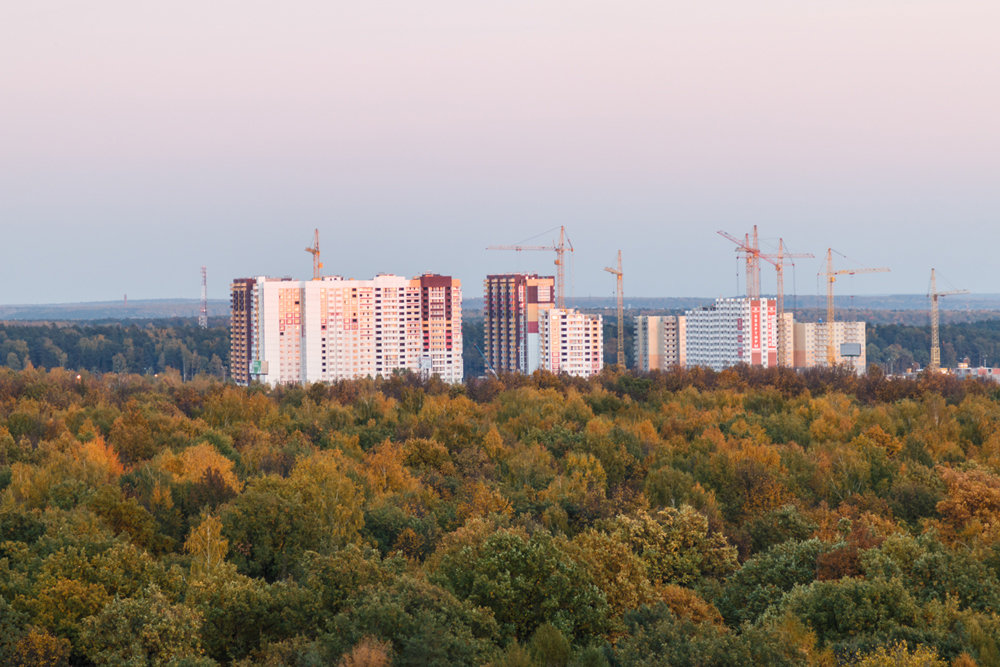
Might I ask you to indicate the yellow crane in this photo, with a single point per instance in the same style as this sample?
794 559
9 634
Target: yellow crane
314 251
560 249
621 310
935 321
831 277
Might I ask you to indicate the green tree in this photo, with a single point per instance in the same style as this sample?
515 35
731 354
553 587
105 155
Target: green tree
275 520
676 545
425 624
147 630
526 582
765 578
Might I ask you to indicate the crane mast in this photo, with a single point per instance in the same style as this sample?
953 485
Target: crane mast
831 277
314 251
935 322
621 310
564 246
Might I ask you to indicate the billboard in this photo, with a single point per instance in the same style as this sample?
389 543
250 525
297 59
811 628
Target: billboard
850 349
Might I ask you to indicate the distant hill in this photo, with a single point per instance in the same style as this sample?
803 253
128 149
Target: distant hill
888 308
145 309
878 309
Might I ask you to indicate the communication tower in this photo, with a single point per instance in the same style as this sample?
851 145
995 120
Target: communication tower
203 313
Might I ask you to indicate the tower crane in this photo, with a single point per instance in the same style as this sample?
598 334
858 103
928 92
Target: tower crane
621 310
314 251
831 277
560 262
754 255
935 321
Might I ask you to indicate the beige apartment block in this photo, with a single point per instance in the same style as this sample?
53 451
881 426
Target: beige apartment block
659 342
848 337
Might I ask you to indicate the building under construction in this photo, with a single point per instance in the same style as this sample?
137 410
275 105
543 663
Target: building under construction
753 330
511 306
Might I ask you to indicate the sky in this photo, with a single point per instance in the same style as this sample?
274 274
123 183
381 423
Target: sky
140 140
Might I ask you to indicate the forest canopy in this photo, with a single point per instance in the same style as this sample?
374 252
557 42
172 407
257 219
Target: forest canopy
684 518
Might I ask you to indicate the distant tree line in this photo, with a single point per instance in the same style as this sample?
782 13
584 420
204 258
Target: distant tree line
154 346
150 347
896 347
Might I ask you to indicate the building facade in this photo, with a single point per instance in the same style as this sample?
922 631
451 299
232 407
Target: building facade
732 331
570 342
336 329
512 303
660 342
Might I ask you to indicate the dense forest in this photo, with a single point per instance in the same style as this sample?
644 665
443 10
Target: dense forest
154 346
685 518
898 347
150 347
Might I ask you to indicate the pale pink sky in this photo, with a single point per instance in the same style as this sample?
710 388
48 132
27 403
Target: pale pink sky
141 140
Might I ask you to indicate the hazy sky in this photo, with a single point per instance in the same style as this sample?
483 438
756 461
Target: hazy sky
140 140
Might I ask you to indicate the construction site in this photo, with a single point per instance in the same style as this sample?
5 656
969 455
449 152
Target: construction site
754 328
530 322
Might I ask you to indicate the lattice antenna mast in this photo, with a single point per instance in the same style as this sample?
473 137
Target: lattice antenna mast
831 277
619 291
935 321
203 313
314 251
564 246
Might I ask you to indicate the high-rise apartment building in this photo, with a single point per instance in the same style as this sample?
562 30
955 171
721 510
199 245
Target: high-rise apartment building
733 331
660 342
441 326
241 329
512 304
335 329
570 342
